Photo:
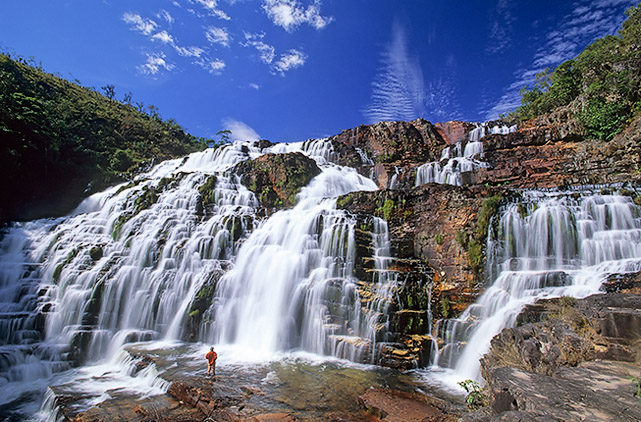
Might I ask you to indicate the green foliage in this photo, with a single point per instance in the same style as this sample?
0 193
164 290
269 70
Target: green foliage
438 238
475 255
604 79
603 119
58 137
637 385
476 397
445 307
488 210
344 201
388 208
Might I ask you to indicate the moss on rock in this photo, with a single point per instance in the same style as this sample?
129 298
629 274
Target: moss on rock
276 179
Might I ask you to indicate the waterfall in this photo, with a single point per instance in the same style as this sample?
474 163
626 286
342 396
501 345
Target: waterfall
462 157
130 262
555 246
277 295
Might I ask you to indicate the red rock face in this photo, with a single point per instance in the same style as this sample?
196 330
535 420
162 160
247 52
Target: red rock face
399 406
453 131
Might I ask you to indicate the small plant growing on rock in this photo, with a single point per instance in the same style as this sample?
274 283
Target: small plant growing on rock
637 385
438 238
476 397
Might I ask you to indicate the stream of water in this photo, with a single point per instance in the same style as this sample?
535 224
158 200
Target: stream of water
130 262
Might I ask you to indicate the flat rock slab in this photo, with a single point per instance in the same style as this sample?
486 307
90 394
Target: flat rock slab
399 406
272 417
593 391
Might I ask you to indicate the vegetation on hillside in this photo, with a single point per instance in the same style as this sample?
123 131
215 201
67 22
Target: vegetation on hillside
60 141
602 85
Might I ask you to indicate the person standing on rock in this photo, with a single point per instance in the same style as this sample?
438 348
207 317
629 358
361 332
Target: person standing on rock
211 357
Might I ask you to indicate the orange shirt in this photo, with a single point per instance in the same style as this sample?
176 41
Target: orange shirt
211 357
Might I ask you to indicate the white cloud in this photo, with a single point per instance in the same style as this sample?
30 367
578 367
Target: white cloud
215 66
587 21
398 92
266 51
290 60
240 131
163 14
500 27
212 7
217 35
154 64
164 37
254 86
144 26
189 51
290 14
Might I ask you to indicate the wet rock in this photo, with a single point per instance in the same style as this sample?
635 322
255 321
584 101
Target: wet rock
157 408
272 417
623 283
277 178
423 227
399 406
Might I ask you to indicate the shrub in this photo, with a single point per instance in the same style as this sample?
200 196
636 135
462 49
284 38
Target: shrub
476 397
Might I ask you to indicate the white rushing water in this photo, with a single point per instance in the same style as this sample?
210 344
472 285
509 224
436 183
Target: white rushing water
562 247
130 261
462 157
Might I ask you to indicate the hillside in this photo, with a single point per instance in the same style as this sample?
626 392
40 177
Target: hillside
600 89
61 142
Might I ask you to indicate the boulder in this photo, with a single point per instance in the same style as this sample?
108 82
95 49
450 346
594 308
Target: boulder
276 179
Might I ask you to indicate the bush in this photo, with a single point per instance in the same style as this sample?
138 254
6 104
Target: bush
476 397
603 119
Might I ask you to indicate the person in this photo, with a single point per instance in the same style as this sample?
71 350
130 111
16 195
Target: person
211 357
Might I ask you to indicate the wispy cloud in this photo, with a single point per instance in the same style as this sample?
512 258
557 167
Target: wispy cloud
587 21
163 36
254 86
154 64
216 35
137 23
214 66
398 92
211 6
267 52
240 131
287 61
290 14
189 51
163 14
440 98
500 35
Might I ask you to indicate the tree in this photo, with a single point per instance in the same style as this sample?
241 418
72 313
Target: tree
109 90
224 136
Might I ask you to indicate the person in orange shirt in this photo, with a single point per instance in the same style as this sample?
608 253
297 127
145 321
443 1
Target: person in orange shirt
211 357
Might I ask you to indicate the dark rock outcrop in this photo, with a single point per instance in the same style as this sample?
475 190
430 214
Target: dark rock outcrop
567 360
277 178
423 227
550 153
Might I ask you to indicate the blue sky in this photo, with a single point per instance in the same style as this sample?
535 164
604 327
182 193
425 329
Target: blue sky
289 70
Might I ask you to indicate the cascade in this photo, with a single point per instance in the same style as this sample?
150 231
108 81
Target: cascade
464 156
561 246
128 264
